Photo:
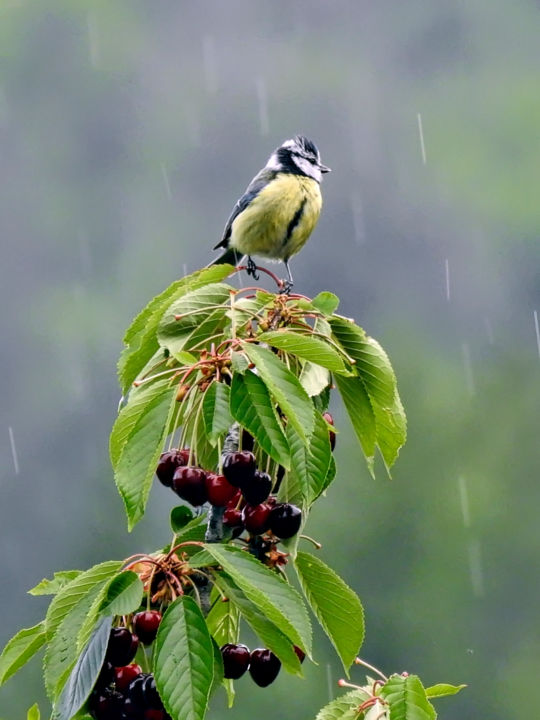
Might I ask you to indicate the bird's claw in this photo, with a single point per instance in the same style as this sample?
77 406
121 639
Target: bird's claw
252 269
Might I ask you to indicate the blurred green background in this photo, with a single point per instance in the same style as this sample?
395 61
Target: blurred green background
127 131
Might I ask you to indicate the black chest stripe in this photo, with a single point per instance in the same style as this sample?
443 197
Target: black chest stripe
294 221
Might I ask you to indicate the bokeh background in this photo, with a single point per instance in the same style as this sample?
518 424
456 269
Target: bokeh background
127 131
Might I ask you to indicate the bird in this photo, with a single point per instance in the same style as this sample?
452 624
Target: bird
279 209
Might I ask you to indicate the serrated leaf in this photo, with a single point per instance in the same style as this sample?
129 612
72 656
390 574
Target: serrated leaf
223 624
285 388
270 635
140 338
74 591
309 465
52 587
326 302
314 378
84 675
181 515
407 699
216 413
307 347
391 425
360 410
337 607
443 689
33 713
218 669
276 599
193 531
239 363
183 660
252 408
20 649
122 595
344 707
137 463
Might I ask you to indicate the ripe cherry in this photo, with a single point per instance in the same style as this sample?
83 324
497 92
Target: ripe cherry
189 483
106 704
264 666
239 467
258 489
106 675
300 654
168 463
235 660
124 676
285 520
232 518
219 490
256 518
332 435
122 647
146 625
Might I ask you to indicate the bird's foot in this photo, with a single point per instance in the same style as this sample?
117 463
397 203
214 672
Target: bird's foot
252 268
286 287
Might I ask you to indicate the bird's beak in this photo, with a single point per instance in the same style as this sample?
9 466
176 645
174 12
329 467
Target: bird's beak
324 169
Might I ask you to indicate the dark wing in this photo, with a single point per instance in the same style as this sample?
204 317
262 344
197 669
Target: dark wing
253 189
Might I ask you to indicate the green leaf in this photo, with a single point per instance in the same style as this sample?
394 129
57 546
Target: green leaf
33 713
194 530
270 635
343 707
137 464
443 689
74 591
358 405
183 660
20 649
140 337
407 699
337 608
285 388
223 621
181 515
307 347
218 670
326 302
239 362
52 587
122 595
276 599
391 427
314 378
309 465
84 675
252 407
216 412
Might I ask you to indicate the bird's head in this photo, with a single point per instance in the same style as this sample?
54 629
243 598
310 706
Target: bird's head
298 155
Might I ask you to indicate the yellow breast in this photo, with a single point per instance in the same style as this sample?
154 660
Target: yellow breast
277 223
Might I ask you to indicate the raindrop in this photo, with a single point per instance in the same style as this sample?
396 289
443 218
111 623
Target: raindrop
537 330
93 38
475 568
184 269
165 176
422 145
262 98
13 450
358 219
468 367
464 499
209 63
447 276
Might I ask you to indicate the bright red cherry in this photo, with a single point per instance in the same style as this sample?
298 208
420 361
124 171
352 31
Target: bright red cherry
285 520
146 625
168 463
264 667
124 676
256 518
239 467
235 660
189 483
258 489
219 490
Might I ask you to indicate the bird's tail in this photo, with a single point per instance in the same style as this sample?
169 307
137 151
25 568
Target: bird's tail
229 256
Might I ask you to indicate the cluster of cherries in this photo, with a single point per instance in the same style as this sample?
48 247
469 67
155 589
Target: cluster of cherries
123 691
242 489
262 664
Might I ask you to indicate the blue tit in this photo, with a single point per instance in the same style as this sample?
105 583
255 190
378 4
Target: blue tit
278 211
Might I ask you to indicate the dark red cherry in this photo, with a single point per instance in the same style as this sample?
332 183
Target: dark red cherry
258 489
106 704
152 699
232 518
256 518
264 666
131 710
219 490
189 483
106 675
168 463
146 625
332 435
235 660
300 654
285 520
239 467
124 676
122 647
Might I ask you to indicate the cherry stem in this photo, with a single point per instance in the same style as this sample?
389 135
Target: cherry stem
196 543
312 541
359 661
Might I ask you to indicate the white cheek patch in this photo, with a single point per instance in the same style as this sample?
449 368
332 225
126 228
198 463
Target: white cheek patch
289 144
308 168
273 162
